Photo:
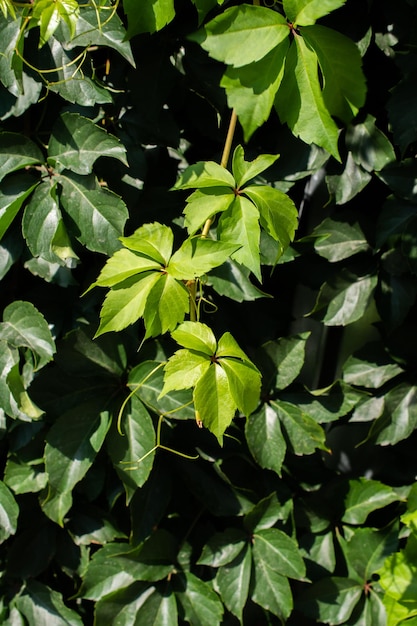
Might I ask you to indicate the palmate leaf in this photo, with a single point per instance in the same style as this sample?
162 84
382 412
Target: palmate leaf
299 101
205 174
76 143
203 204
152 240
303 12
244 171
198 256
251 89
242 35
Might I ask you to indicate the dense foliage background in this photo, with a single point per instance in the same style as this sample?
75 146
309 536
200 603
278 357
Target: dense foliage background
115 507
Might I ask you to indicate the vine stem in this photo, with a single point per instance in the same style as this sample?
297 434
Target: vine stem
225 158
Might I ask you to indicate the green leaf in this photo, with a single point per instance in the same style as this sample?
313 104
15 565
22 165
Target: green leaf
369 146
200 604
331 600
400 178
152 240
198 256
94 28
126 302
123 265
251 91
232 280
276 506
132 452
242 35
98 216
42 605
205 174
303 432
76 143
196 336
223 547
239 223
367 549
244 384
24 477
10 30
203 204
299 100
49 16
213 400
159 609
304 12
72 445
17 152
265 439
14 191
245 171
339 239
345 298
346 186
271 591
284 360
147 17
279 552
370 367
399 418
183 370
43 227
166 306
344 87
232 582
24 327
364 497
400 107
9 512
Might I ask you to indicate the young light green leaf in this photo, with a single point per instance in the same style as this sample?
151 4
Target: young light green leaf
278 213
344 88
299 100
9 511
166 306
196 336
147 17
125 303
304 12
251 90
244 171
244 383
122 265
203 204
240 223
279 552
50 14
17 152
201 605
14 191
242 35
153 240
228 347
198 256
205 174
213 401
232 582
131 452
76 143
265 439
183 370
24 327
365 496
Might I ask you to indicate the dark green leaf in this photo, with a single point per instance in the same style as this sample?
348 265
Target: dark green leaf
346 186
232 280
279 552
331 600
339 239
42 605
147 17
132 450
232 582
17 152
370 367
369 146
14 191
401 178
159 609
399 418
9 511
265 439
365 496
222 548
24 326
400 108
283 360
268 511
200 604
271 590
303 432
367 549
76 143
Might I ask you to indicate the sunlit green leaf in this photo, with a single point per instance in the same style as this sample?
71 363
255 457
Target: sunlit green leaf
42 605
213 401
148 17
152 240
222 548
365 496
303 12
204 203
198 256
